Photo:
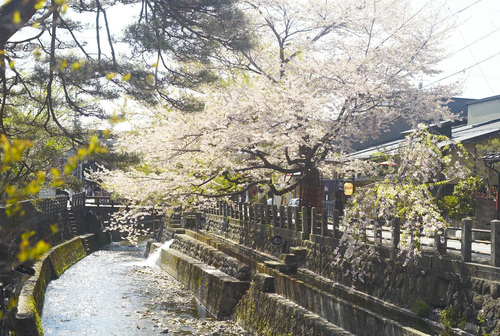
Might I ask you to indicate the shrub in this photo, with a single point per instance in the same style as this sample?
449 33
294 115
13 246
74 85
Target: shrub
421 308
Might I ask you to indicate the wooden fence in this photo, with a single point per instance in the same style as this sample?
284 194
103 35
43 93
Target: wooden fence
454 241
32 208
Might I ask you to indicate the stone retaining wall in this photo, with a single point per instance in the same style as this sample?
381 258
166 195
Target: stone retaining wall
266 313
275 297
217 291
472 289
211 256
57 260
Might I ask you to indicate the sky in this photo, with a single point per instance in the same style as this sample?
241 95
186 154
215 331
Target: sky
474 49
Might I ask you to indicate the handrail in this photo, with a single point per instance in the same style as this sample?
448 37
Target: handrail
313 222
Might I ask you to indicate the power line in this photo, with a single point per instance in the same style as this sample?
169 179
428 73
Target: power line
467 47
465 69
463 9
479 39
472 54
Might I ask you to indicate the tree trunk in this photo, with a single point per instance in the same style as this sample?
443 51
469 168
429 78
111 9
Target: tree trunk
8 26
311 195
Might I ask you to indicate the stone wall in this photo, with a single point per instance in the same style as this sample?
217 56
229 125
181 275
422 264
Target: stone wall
267 313
57 260
439 281
211 256
216 290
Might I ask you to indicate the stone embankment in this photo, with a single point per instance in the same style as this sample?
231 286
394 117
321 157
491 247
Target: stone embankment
49 267
294 290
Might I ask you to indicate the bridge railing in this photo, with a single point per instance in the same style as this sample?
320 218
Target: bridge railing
101 201
322 223
78 200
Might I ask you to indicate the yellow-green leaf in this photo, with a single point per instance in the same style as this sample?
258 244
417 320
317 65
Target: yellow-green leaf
75 66
54 228
111 75
126 77
16 17
39 4
64 64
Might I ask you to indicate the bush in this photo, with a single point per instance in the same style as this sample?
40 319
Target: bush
448 320
463 201
421 308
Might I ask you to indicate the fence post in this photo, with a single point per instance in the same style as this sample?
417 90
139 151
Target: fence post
282 216
396 233
377 233
289 218
274 209
336 220
262 214
256 214
266 214
313 221
245 212
324 222
440 241
296 215
305 221
495 243
467 239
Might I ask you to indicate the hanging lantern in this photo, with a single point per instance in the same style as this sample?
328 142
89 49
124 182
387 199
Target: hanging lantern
348 188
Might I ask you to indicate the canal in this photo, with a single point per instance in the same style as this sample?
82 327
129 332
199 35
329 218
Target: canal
116 291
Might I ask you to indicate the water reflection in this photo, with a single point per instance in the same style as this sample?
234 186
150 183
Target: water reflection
115 292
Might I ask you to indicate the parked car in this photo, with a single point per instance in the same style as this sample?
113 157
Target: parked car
294 202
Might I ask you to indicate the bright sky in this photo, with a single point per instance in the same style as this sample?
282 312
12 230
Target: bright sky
475 48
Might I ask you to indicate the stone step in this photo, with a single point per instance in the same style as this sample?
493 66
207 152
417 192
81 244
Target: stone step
277 315
343 306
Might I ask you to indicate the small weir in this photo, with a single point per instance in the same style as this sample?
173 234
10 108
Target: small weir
116 291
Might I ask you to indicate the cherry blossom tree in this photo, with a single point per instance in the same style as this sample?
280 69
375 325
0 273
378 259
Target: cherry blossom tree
322 75
402 194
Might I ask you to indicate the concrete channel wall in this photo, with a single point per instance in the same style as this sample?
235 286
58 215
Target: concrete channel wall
52 264
282 299
471 289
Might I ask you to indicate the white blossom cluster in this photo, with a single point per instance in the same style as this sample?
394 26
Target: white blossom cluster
322 75
404 195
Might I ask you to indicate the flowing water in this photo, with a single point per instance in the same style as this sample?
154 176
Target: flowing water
117 292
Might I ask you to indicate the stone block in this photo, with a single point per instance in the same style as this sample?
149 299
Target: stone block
264 283
67 254
300 253
288 259
50 266
217 291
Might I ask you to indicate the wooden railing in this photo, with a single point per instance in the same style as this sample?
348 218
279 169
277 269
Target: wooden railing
78 200
44 206
101 201
387 234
